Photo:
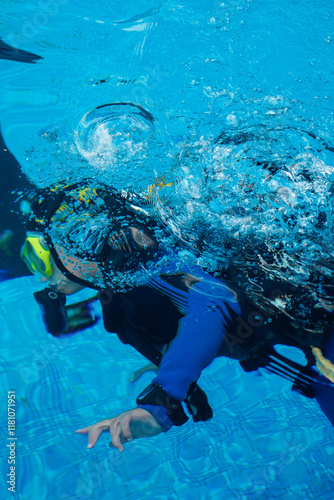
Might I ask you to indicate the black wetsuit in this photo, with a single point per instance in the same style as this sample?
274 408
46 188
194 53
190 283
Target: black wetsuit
148 320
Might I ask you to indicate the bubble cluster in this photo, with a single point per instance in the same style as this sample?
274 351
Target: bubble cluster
260 191
258 195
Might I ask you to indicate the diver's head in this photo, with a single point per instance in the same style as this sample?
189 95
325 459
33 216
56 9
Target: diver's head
94 236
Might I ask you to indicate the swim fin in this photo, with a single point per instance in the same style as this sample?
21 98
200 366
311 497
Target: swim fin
13 54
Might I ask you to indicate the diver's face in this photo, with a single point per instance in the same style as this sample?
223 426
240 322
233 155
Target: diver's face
57 281
78 267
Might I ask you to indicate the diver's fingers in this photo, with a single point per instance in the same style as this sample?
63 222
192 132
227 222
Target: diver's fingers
95 431
125 426
116 435
84 430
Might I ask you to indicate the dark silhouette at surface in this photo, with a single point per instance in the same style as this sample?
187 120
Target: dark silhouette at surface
12 54
12 231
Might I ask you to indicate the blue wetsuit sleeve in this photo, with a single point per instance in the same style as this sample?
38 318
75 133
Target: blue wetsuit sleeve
201 332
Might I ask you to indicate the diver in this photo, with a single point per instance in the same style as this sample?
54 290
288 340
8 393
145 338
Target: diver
174 313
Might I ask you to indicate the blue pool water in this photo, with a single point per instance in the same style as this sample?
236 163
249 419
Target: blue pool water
231 85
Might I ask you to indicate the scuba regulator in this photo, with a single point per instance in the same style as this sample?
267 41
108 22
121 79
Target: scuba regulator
59 318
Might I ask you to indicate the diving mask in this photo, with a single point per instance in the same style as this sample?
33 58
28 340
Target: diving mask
36 255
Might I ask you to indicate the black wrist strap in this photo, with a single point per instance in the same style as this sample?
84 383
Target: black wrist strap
156 396
196 401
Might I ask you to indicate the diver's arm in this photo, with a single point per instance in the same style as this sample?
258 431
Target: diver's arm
201 333
211 305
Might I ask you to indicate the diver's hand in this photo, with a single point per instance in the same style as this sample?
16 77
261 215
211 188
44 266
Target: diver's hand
127 426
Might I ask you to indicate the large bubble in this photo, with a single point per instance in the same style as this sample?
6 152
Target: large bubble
114 134
113 143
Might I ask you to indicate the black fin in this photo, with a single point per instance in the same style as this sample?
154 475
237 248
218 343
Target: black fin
12 54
